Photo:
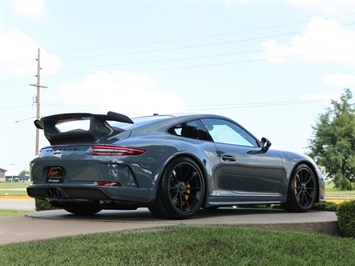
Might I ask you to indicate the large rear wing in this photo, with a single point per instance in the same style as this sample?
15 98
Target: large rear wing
97 127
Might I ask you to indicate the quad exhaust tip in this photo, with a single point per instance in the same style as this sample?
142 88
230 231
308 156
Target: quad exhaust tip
55 193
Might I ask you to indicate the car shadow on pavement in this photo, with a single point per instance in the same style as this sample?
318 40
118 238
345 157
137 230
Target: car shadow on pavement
143 214
272 219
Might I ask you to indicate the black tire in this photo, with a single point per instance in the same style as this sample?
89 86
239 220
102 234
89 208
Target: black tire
181 190
302 190
82 208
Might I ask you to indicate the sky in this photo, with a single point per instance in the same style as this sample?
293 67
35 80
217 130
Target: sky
272 66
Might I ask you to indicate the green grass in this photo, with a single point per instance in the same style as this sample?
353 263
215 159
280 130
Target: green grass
13 212
8 185
182 245
333 193
185 245
13 193
329 187
14 189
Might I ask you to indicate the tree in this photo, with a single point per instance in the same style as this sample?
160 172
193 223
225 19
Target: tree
333 142
23 173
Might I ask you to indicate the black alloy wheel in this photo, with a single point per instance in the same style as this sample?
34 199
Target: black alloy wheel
302 191
181 190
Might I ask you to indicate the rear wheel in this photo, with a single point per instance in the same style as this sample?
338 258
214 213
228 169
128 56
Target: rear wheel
302 190
180 191
81 208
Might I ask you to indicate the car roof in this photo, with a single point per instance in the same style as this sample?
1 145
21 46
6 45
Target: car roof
165 119
184 115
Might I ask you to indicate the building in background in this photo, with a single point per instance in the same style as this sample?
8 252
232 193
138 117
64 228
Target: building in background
2 175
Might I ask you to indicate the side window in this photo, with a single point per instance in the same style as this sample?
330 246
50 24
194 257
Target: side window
192 129
223 131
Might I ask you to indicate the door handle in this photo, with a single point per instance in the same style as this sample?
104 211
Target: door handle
228 158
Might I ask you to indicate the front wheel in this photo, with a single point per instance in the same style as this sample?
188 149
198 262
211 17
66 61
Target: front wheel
302 190
181 190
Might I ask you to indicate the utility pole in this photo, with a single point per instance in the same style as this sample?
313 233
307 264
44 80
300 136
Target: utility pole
38 97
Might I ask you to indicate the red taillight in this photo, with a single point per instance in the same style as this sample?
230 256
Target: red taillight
109 184
101 150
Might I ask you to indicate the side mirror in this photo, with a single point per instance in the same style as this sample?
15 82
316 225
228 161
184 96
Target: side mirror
265 144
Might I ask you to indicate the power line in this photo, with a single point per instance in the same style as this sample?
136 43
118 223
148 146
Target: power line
185 47
15 107
199 37
19 122
182 47
256 105
197 57
194 107
220 64
189 46
15 80
209 106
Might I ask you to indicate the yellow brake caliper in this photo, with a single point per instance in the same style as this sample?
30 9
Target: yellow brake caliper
187 192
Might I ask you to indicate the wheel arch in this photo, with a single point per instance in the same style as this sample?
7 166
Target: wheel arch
199 163
314 171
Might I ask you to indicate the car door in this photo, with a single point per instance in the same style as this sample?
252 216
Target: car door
247 170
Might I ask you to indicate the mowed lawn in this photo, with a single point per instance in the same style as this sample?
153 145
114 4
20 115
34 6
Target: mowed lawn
14 189
332 193
185 245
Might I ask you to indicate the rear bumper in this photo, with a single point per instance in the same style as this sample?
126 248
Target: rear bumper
90 193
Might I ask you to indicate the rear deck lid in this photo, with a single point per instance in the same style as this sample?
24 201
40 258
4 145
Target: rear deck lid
79 127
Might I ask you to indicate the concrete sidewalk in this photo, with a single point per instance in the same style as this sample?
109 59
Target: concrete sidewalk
17 203
59 223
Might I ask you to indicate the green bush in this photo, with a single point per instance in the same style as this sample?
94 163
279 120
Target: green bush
326 206
43 205
346 218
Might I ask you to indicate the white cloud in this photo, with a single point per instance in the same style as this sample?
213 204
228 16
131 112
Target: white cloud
340 80
18 53
129 93
321 41
327 7
31 8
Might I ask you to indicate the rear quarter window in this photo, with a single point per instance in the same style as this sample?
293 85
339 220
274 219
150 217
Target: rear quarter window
192 129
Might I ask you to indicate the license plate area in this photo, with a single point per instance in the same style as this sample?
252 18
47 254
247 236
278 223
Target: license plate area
55 174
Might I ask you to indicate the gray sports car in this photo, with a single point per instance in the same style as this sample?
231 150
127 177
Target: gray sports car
172 164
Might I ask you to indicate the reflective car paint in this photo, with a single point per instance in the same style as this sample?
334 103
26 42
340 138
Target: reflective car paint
233 174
